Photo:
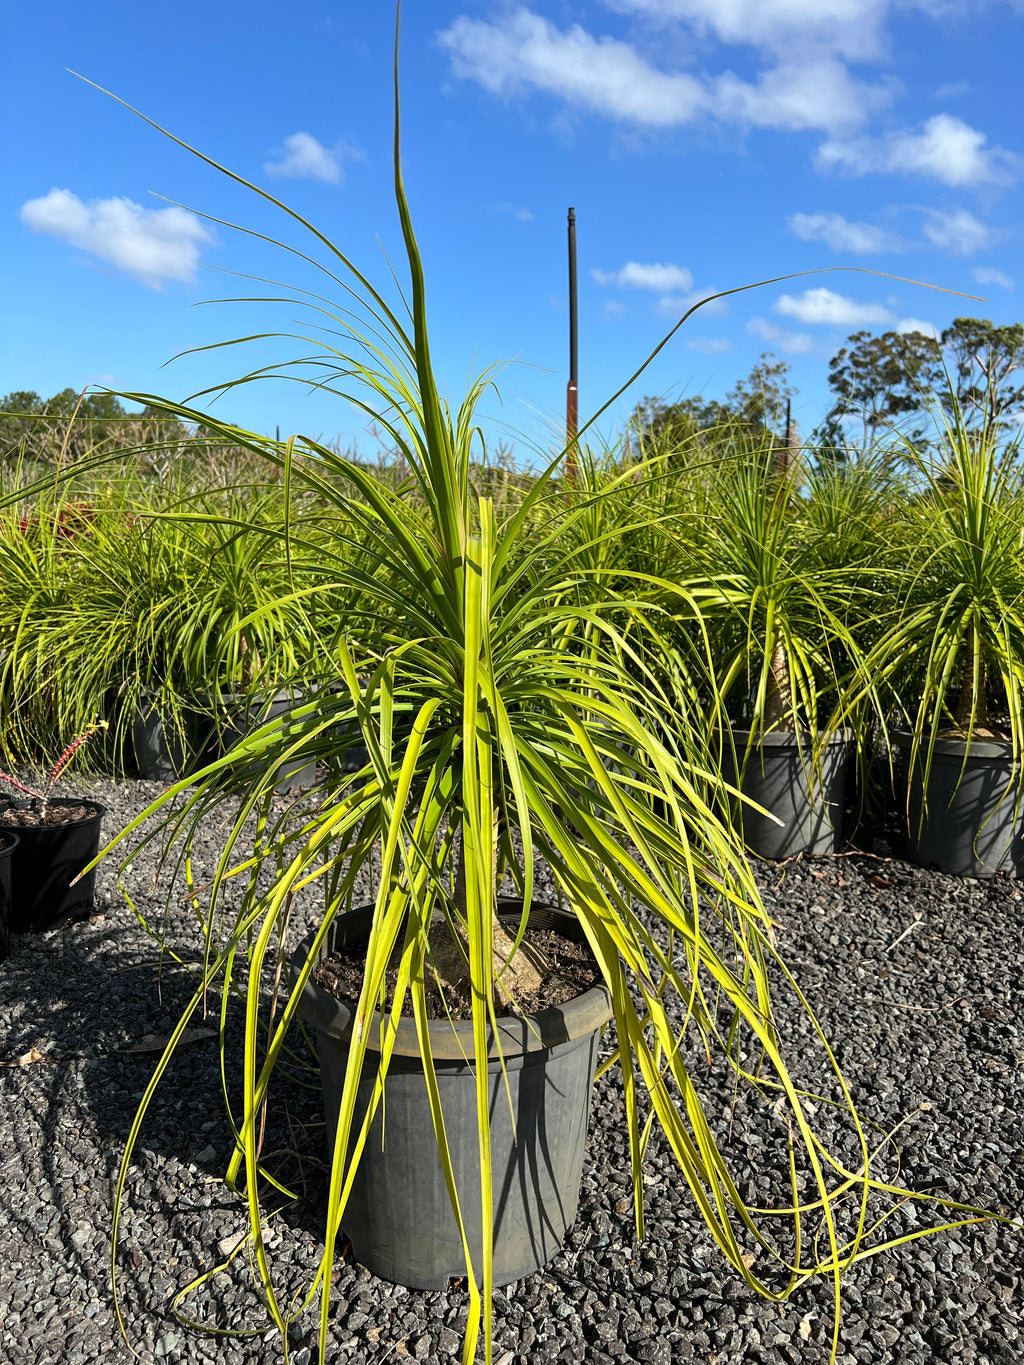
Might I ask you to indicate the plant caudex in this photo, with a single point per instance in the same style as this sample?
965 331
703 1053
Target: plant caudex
505 717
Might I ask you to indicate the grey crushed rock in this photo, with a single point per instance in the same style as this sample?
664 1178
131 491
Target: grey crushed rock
930 1026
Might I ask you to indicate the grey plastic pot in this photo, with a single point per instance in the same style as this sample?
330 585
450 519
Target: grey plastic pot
973 823
8 844
807 796
240 715
399 1218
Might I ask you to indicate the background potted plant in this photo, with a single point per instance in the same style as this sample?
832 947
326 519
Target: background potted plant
778 613
487 730
951 666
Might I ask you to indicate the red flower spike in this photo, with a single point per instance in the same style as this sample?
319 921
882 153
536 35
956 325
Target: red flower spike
70 752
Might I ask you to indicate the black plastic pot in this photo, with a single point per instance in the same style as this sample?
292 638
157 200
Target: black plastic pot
973 822
241 715
45 861
8 845
164 750
167 750
808 796
399 1218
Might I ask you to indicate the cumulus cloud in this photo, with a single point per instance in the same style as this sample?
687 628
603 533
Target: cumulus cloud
153 245
710 345
635 275
608 77
957 231
303 157
944 148
986 274
796 343
927 329
516 211
523 51
862 239
850 28
824 307
808 93
674 306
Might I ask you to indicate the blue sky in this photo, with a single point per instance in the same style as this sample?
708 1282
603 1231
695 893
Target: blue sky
704 144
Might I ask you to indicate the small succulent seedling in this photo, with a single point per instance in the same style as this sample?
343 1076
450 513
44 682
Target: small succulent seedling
41 799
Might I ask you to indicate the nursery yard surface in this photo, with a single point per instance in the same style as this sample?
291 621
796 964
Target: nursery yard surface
917 978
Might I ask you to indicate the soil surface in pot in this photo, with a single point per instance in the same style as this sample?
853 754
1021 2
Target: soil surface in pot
569 971
995 732
27 818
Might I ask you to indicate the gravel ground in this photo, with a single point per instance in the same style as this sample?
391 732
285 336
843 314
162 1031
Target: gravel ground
918 978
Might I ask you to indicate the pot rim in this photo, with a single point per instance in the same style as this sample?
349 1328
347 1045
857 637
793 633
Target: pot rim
950 747
791 739
453 1041
98 807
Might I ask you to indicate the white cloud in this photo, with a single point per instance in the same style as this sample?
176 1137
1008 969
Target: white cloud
824 307
516 211
927 329
808 93
944 148
304 158
635 275
674 306
951 90
523 51
600 74
840 234
851 28
710 345
613 308
986 274
957 231
153 245
796 343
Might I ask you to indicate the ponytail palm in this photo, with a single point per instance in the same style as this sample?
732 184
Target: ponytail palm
494 741
778 610
954 658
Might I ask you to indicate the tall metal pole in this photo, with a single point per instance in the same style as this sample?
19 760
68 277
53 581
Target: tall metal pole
572 391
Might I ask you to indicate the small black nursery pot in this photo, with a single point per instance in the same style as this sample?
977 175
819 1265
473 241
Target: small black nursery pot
8 843
47 857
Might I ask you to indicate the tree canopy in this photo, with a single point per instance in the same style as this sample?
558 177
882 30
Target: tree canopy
974 365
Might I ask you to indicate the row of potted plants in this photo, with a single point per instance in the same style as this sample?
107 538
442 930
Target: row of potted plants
852 612
818 612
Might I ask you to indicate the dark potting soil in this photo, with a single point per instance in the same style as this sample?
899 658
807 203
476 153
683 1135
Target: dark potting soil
568 971
25 817
916 977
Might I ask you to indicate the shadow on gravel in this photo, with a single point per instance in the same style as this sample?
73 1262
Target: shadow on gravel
85 1010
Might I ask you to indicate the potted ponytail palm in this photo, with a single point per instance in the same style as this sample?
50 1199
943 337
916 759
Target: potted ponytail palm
953 662
778 619
492 753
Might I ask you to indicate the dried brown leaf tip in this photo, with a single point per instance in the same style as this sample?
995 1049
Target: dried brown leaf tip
29 1058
